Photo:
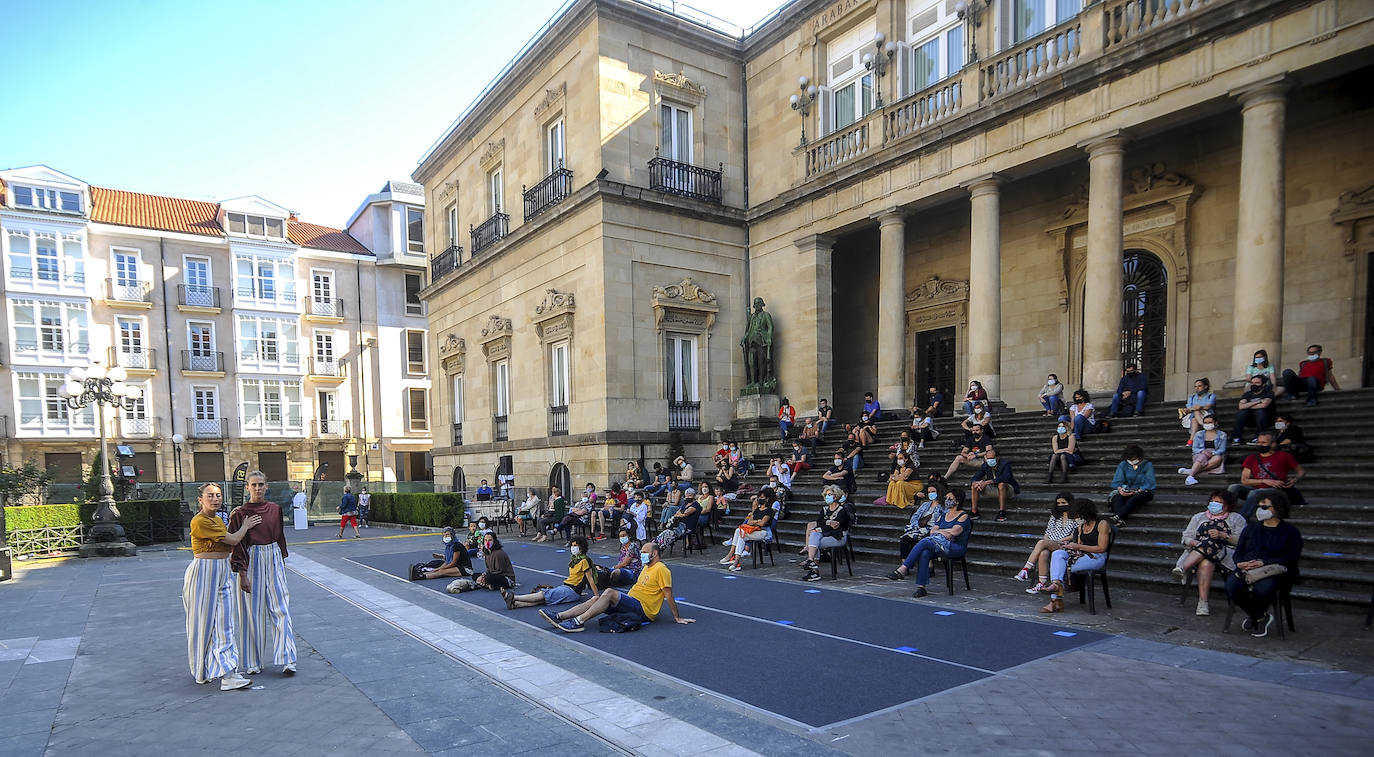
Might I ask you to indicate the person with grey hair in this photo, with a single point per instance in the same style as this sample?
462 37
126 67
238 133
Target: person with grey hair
263 601
830 529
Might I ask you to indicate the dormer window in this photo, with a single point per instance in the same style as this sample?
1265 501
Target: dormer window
255 226
47 199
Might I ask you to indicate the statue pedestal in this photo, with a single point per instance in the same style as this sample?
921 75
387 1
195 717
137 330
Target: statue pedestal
756 411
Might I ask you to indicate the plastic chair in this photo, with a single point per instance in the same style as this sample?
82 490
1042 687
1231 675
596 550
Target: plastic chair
949 562
1087 586
842 552
758 549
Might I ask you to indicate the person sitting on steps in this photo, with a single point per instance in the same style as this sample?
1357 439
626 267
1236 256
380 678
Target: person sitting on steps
839 474
971 453
1209 451
1058 532
995 473
935 402
922 427
1267 469
1312 376
1134 483
1255 406
979 417
1087 551
1052 396
1201 403
871 407
1290 438
1081 416
1131 388
1063 453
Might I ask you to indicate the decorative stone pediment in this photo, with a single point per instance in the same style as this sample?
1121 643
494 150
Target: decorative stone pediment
684 306
676 86
553 316
551 99
1141 183
935 292
554 302
1354 213
495 150
453 353
448 190
685 291
496 338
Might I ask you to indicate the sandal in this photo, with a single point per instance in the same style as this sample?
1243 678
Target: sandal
896 575
1055 605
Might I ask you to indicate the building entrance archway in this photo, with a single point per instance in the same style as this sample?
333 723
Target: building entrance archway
1144 316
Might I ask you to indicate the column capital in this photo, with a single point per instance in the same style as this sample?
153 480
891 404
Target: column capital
889 216
815 242
985 184
1274 88
1111 143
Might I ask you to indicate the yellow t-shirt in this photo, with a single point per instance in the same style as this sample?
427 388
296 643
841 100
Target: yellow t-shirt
578 573
649 588
207 534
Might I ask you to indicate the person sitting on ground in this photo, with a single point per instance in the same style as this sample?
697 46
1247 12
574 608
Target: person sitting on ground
1058 532
457 562
935 402
1064 454
918 528
787 415
829 530
578 514
682 522
1087 551
528 511
824 415
865 432
1260 366
1209 451
1209 542
639 510
839 474
975 394
500 573
1081 415
1267 469
1266 557
473 542
801 458
1133 482
810 433
642 603
979 418
948 538
1290 438
626 569
1052 396
1201 403
685 472
903 485
1312 376
783 471
971 453
757 527
997 474
1131 389
872 408
580 574
1255 406
553 514
922 427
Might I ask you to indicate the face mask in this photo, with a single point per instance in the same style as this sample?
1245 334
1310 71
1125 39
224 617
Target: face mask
1263 447
865 419
1051 382
830 499
1259 361
1133 463
931 496
1256 387
991 461
488 546
644 557
838 462
482 526
624 540
901 463
575 549
1264 513
1280 425
951 503
1215 508
1060 508
1314 357
448 539
1209 426
1062 429
977 409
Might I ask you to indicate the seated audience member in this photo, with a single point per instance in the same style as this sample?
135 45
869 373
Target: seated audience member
1087 551
1209 451
1268 469
810 433
971 453
839 474
608 516
553 514
727 477
1052 396
903 486
995 473
979 418
639 510
627 568
682 522
1260 366
863 433
1081 415
1266 560
1209 542
801 458
948 537
922 427
720 506
787 415
1133 483
1130 389
580 574
484 492
871 407
590 495
642 603
976 393
1064 454
578 514
741 463
634 476
499 573
1201 403
1290 438
707 502
658 485
830 529
824 415
935 402
457 562
928 507
757 527
685 472
852 452
1255 406
671 505
1058 532
903 445
783 471
528 511
1312 376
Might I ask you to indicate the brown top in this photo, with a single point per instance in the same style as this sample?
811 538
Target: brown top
207 534
266 532
498 563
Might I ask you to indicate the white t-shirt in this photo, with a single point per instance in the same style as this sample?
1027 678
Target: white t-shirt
298 501
641 513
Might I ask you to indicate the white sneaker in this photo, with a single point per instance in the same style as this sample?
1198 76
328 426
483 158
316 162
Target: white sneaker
1184 471
1180 575
726 560
744 554
1202 608
727 542
289 669
234 681
1190 481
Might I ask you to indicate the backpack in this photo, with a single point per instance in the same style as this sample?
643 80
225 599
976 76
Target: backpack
602 576
619 622
416 574
458 585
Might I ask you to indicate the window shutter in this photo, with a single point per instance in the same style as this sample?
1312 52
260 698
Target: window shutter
825 100
904 63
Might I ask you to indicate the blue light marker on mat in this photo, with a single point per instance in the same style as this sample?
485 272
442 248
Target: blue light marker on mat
1065 634
783 622
813 591
1333 554
730 578
1163 544
680 599
943 612
908 650
562 550
552 572
1030 536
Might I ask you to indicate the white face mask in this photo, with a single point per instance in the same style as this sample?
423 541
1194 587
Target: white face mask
1050 382
1264 513
839 461
624 540
1280 425
991 461
1209 426
575 549
1259 361
1133 462
1314 357
1062 429
482 526
448 539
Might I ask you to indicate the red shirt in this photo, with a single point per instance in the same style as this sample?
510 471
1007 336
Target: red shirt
787 413
1317 369
1277 466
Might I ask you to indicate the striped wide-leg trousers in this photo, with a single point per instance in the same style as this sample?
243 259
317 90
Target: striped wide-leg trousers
264 615
207 593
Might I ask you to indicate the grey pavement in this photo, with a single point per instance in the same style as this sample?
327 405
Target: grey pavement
92 658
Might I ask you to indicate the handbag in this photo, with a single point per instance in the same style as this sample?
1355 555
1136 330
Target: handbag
748 529
1255 575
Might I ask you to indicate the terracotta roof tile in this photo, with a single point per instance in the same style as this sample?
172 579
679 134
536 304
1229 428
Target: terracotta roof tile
144 211
323 238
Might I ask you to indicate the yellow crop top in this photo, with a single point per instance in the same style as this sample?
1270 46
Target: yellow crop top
207 534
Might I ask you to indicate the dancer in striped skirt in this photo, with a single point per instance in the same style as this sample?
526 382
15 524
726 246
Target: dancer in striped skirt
263 601
207 594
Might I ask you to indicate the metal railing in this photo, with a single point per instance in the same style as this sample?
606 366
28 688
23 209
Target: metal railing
1032 60
208 428
685 179
138 426
196 296
45 540
489 231
558 420
501 428
325 307
46 273
684 416
457 434
144 359
209 362
548 192
445 262
128 291
332 367
252 296
331 427
55 345
270 357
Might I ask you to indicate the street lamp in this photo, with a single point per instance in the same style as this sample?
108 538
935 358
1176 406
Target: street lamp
177 441
100 386
801 102
878 63
971 11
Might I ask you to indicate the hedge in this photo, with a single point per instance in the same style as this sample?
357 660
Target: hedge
419 508
29 517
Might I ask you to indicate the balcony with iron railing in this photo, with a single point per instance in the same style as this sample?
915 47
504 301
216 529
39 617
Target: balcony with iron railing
685 179
198 297
208 428
126 292
139 359
137 427
323 309
500 428
271 357
684 416
490 231
331 428
445 262
548 192
457 434
558 420
267 297
196 361
327 368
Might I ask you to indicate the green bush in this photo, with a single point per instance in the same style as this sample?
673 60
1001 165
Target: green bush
28 517
419 508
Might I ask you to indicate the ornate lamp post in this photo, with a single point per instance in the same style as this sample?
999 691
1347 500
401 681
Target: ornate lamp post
177 441
971 12
99 386
885 51
801 102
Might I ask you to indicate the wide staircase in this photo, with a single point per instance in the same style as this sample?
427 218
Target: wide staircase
1337 524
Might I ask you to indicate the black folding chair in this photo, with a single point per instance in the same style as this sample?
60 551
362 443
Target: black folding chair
1282 609
1087 580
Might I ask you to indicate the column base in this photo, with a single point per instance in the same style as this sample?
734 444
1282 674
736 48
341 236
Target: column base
109 549
756 407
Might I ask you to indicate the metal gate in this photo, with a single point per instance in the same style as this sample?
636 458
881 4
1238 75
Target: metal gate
1144 314
936 357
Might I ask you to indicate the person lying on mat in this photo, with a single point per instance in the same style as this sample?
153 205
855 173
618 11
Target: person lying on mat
580 574
642 603
456 560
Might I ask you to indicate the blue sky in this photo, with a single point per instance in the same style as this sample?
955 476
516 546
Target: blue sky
312 104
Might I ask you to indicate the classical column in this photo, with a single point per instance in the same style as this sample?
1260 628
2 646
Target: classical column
891 311
810 353
1257 321
1102 296
985 285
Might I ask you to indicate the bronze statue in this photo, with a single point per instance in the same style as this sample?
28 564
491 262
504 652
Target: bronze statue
757 346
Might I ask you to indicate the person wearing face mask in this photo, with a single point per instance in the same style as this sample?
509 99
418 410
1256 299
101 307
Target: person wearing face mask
1201 403
742 464
1255 406
995 473
1081 415
830 529
824 414
457 561
922 427
787 415
1086 551
1312 376
776 467
1265 470
865 432
1052 396
580 574
1058 532
1289 437
728 478
553 514
903 487
1131 388
801 459
1063 453
643 603
975 394
979 418
627 568
528 511
757 527
971 453
1133 482
500 573
1209 451
683 522
931 505
1266 558
1260 366
639 510
1209 541
839 474
810 433
872 408
949 534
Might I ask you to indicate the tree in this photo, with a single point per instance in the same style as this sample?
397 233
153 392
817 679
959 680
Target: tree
24 485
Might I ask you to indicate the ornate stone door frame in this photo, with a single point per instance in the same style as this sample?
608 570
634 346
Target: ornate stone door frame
685 308
936 304
1354 214
553 322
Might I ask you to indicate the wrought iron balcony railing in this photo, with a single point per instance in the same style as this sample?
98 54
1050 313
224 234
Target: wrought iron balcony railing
457 434
445 262
117 290
684 416
331 427
144 358
209 362
558 420
197 296
548 192
685 179
324 307
330 367
489 231
502 429
208 428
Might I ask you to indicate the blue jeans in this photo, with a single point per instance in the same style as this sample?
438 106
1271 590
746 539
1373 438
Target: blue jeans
855 463
784 427
1081 426
1253 599
1295 384
1139 403
1052 403
927 550
1059 561
824 425
968 407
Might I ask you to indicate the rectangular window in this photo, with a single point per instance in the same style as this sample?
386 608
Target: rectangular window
54 329
267 281
495 189
46 258
205 403
419 412
414 283
926 67
266 342
502 372
265 227
554 146
49 268
456 397
1030 17
415 229
271 406
561 382
681 368
42 407
415 351
201 338
451 223
125 268
324 347
675 132
132 351
47 199
199 292
954 50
